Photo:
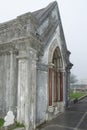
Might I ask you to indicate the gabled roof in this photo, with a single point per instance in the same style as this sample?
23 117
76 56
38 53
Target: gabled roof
42 13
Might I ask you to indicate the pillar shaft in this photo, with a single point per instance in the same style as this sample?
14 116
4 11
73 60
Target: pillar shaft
50 86
61 86
56 86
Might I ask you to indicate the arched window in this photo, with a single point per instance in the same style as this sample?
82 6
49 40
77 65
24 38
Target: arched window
56 78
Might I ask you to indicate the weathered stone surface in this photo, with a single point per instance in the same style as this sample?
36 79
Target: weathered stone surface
9 119
29 46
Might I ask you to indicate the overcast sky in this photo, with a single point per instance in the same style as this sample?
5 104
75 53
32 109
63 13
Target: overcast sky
74 20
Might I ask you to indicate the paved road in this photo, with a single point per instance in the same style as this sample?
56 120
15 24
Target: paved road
74 118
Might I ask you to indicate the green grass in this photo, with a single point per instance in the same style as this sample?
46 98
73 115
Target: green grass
19 125
1 122
76 95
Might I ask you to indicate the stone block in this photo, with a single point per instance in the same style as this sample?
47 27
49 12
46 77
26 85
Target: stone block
9 118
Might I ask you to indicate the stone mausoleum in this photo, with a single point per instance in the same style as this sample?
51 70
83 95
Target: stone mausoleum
34 67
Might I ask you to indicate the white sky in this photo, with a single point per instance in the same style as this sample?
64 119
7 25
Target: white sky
74 19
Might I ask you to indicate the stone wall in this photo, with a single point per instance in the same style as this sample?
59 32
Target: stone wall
27 45
20 27
41 96
8 83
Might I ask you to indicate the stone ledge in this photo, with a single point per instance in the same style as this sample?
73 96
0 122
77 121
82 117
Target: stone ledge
19 129
9 128
72 101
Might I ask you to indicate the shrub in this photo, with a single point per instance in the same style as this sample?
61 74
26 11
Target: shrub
1 122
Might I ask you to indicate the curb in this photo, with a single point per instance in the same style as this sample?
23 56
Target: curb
79 99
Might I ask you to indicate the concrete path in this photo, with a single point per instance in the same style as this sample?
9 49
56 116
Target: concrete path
74 118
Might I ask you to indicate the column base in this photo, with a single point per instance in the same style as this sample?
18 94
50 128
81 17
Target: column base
50 109
56 111
61 107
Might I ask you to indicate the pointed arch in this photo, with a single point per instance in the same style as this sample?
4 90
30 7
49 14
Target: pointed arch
55 75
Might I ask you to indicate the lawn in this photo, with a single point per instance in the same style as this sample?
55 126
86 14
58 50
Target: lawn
1 122
15 125
76 95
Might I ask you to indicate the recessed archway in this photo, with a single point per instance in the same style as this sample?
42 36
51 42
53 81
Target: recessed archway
55 78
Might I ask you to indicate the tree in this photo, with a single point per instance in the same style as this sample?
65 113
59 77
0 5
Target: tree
73 79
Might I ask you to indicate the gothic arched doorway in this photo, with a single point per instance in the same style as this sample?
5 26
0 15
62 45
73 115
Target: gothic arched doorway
56 78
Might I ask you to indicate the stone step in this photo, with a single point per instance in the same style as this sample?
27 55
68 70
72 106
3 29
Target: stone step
19 129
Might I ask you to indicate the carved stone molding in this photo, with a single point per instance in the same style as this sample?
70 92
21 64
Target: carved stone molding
7 49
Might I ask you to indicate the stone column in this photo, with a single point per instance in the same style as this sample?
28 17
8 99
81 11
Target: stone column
33 95
26 112
11 80
61 86
50 108
68 87
50 86
31 53
64 87
9 72
56 86
22 107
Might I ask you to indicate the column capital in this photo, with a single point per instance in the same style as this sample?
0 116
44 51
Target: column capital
22 57
51 65
60 70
